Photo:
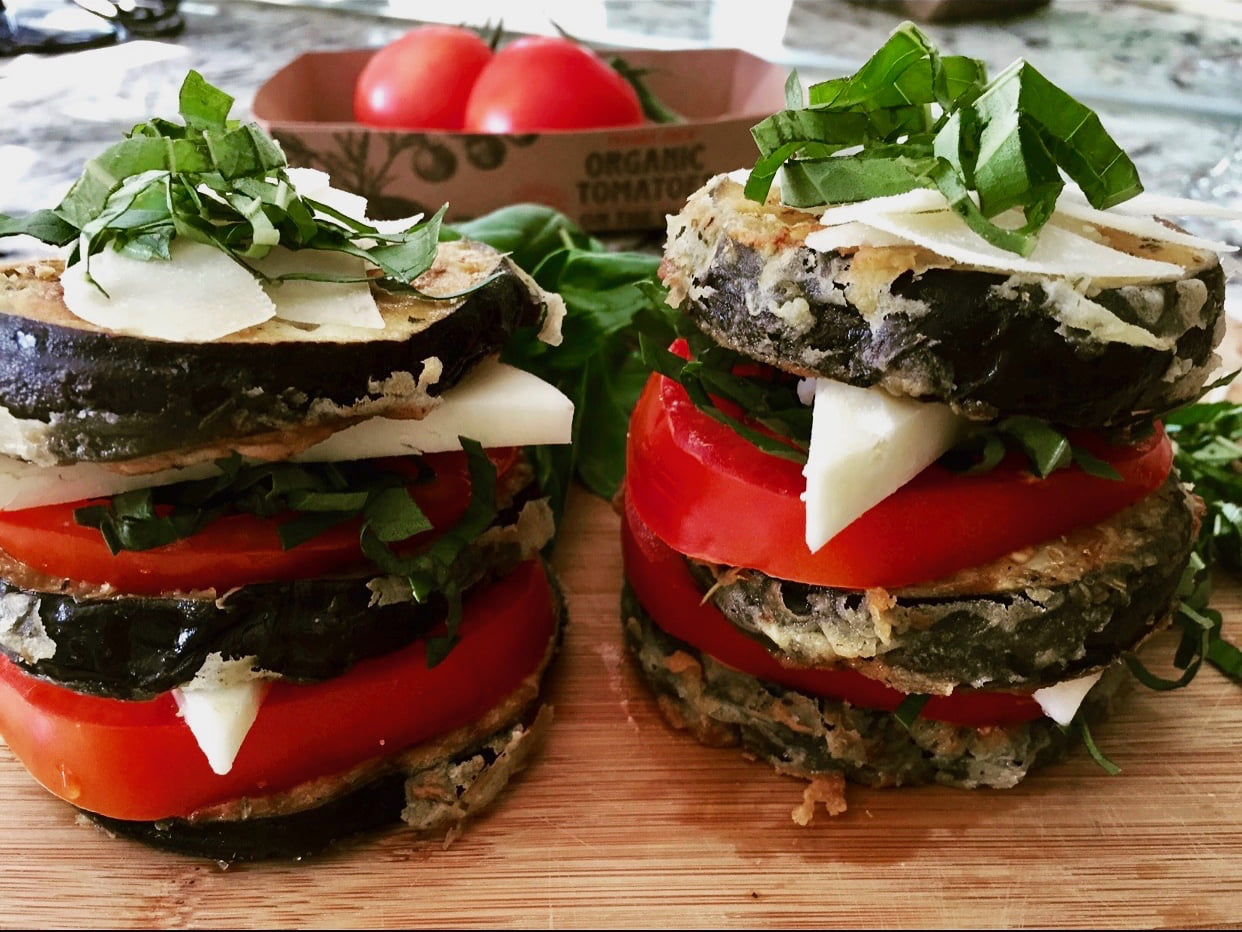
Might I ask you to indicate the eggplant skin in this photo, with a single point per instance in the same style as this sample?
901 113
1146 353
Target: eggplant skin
1049 613
986 343
808 736
89 395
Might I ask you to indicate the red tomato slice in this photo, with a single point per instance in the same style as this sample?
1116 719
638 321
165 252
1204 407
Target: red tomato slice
236 550
665 589
138 760
710 494
422 80
542 83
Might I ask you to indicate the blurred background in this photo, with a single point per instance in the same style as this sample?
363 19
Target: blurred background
1165 75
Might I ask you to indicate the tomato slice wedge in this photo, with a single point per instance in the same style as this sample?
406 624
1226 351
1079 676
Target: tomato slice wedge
235 550
138 760
712 495
666 590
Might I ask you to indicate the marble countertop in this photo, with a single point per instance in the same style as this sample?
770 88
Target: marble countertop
1164 81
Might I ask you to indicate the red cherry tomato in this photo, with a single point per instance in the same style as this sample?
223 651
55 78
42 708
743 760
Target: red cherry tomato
139 760
666 591
235 550
422 80
542 83
710 494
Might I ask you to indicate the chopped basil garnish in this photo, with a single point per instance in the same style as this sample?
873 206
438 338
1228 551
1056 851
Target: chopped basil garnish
1046 448
218 182
911 118
909 709
432 570
317 496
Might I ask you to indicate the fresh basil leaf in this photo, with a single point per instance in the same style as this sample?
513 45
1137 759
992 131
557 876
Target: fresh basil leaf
144 190
909 709
992 147
44 225
1080 725
392 514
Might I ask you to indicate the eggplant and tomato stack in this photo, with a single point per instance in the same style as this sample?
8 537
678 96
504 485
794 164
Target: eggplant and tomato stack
899 503
267 583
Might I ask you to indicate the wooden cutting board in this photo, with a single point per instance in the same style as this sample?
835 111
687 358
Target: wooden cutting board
623 822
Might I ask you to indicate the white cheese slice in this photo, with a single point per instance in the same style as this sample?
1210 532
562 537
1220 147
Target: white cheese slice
1147 227
1147 204
317 186
311 302
199 296
495 404
852 234
1058 252
1060 701
219 706
917 200
866 444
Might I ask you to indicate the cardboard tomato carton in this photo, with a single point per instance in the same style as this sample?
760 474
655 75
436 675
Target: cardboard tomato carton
607 180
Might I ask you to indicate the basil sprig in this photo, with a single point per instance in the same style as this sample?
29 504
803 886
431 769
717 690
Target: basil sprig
1047 449
212 180
1207 445
917 119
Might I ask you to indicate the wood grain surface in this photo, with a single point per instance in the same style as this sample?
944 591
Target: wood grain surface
623 822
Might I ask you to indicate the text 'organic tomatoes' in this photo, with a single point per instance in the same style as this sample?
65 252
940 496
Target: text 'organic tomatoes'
544 83
422 80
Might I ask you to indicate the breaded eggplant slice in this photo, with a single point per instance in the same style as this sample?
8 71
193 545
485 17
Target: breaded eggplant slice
807 736
1047 613
94 640
433 788
73 392
912 322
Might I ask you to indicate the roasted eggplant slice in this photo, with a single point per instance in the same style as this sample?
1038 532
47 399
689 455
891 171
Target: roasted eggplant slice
1030 619
807 736
72 392
896 317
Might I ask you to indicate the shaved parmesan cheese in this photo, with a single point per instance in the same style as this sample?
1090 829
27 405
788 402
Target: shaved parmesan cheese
219 706
199 296
349 304
1146 227
1057 252
495 404
1060 701
866 444
851 235
919 200
1147 204
317 186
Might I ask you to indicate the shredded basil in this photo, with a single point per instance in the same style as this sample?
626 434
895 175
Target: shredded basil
911 118
909 709
316 496
214 181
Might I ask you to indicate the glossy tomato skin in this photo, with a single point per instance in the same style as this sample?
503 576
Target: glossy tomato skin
422 80
235 550
667 592
709 494
542 83
139 761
